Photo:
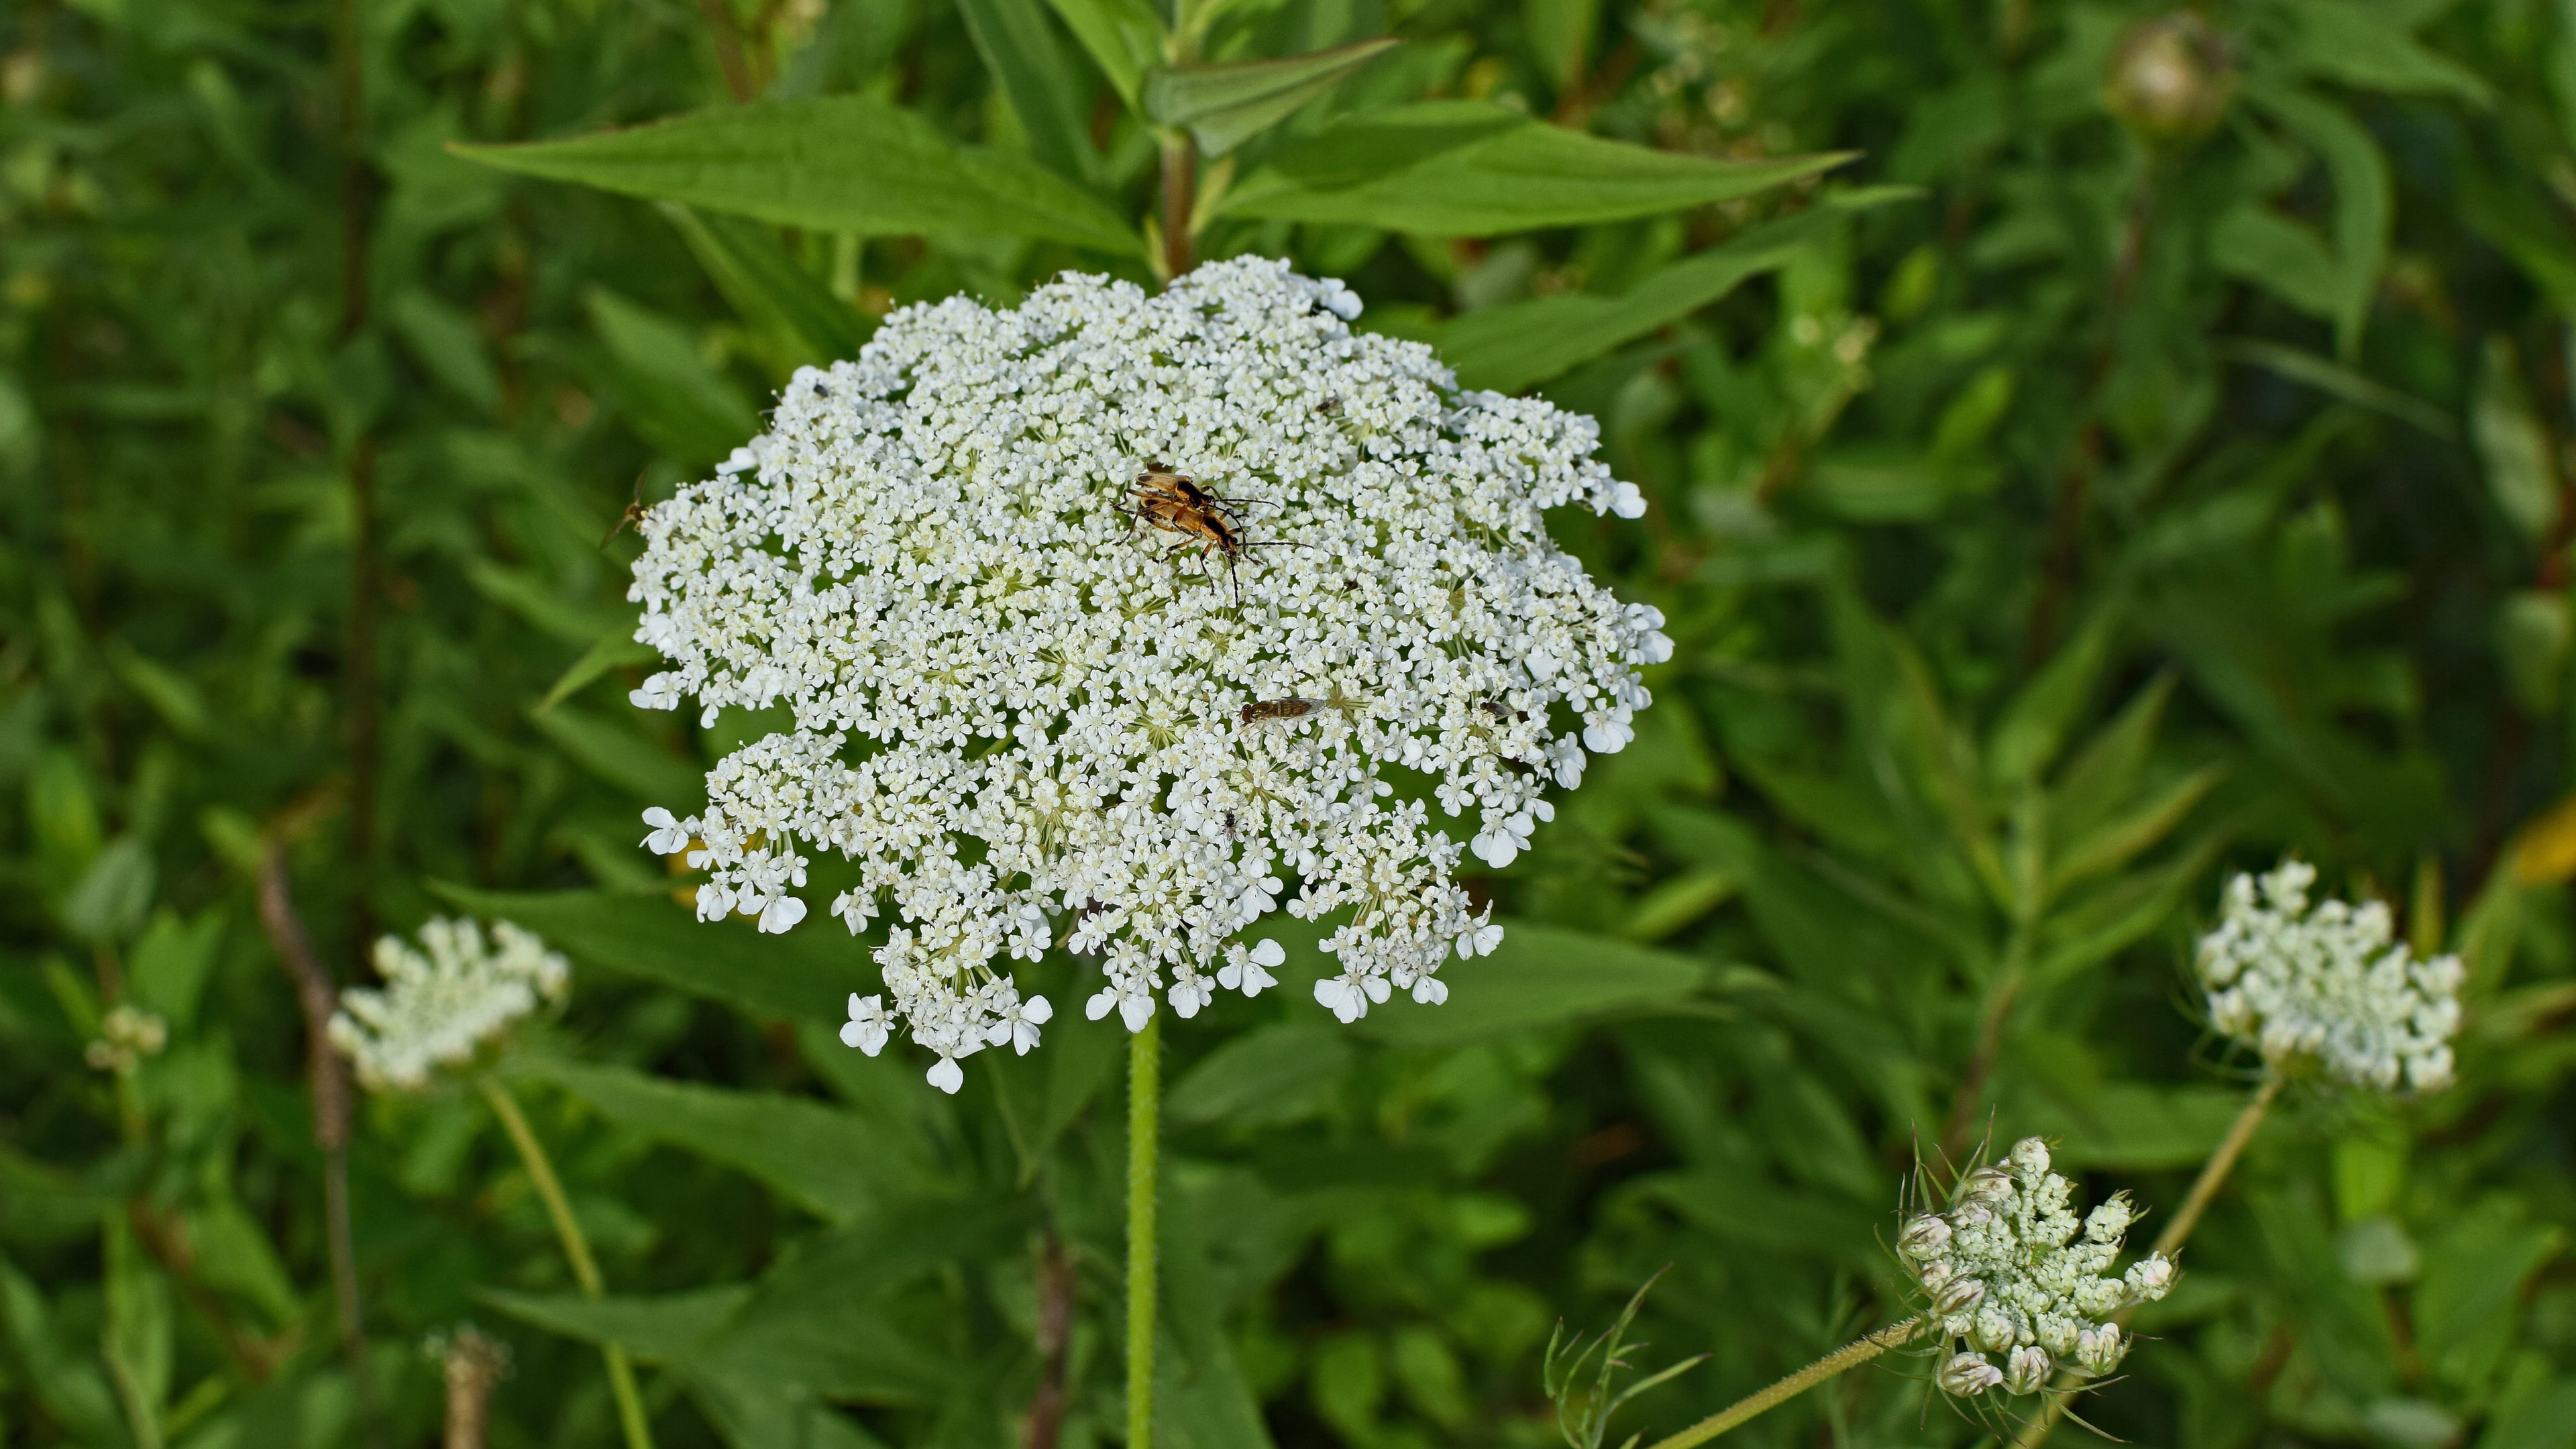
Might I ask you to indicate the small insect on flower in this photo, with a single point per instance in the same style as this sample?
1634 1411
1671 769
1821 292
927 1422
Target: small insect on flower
1175 503
1269 709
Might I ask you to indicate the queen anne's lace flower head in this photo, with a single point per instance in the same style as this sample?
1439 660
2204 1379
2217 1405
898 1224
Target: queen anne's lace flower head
2329 984
438 1009
1028 716
2017 1287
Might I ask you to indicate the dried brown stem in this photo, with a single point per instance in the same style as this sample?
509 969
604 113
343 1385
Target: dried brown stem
327 1078
729 54
1057 1286
1180 199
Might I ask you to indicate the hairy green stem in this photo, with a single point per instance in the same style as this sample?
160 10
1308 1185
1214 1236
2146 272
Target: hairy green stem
541 1171
1849 1356
1144 1127
2213 1176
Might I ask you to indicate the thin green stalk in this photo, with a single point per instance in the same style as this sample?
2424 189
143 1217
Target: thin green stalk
541 1171
1144 1128
1849 1356
2213 1176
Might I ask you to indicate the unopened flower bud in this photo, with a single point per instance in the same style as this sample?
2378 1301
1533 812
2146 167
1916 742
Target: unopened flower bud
1923 1238
2107 1222
2099 1350
2151 1277
2172 79
2026 1369
1971 1213
2030 1158
1994 1330
1968 1374
1958 1296
1933 1274
1989 1185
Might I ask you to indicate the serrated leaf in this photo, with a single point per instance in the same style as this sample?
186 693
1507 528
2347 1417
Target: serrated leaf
1124 37
765 287
836 163
831 1161
2114 844
1029 67
1469 168
1223 106
804 974
1521 344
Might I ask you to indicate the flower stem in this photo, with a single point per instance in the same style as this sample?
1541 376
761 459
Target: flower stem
2213 1176
1144 1127
1849 1356
541 1171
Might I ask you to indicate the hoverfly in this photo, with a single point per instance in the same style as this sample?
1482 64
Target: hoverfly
1175 503
633 514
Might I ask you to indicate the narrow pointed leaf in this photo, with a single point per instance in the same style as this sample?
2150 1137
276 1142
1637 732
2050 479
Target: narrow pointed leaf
1522 344
1124 37
766 288
835 163
1021 52
1469 168
1223 106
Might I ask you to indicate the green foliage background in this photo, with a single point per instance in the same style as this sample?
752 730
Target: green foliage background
2102 514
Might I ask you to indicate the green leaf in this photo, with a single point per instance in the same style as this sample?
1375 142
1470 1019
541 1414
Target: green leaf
1512 347
1125 38
1560 36
2336 380
2131 1126
831 1161
446 345
136 1343
2115 843
2511 445
168 969
624 758
836 163
2025 741
2359 44
1273 1075
1469 168
1223 106
803 974
543 605
1540 976
2472 1282
668 392
767 290
1026 63
2280 256
612 650
658 1329
2364 206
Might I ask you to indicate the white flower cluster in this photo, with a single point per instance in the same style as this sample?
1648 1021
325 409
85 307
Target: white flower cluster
438 1010
1033 718
2329 984
126 1036
2008 1275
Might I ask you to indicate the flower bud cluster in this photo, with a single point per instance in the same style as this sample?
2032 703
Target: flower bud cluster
2017 1286
1023 704
2329 984
126 1036
440 1008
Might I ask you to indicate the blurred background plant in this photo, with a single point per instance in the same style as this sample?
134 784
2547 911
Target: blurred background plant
2177 476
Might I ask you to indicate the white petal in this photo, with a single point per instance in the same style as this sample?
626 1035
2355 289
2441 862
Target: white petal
1267 952
948 1076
